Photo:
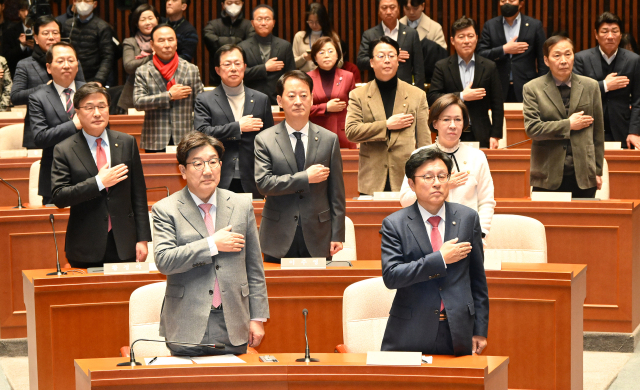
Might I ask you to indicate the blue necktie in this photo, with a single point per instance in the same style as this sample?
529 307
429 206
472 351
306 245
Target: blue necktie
299 152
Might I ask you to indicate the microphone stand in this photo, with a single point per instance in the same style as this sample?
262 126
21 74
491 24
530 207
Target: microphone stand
307 357
517 143
132 358
58 271
19 206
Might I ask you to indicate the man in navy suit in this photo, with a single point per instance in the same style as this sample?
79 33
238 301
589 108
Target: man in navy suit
441 305
53 117
514 42
234 114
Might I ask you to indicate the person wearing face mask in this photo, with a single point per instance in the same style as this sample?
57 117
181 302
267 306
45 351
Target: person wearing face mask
137 49
318 25
514 42
92 38
230 28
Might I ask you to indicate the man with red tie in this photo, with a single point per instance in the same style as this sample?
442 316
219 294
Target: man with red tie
98 173
432 254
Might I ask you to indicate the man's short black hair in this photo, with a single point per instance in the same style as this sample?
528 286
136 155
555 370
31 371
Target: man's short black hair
158 27
49 55
194 140
414 3
24 4
89 89
44 20
553 40
383 39
225 49
461 24
296 74
425 155
267 6
610 18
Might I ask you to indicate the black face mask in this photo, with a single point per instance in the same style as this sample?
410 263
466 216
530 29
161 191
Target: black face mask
509 10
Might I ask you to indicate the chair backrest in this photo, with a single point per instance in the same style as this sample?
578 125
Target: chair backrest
517 239
365 310
145 306
11 137
348 251
603 193
34 174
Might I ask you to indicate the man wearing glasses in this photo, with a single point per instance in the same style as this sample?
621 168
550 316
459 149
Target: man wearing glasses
206 242
98 173
432 254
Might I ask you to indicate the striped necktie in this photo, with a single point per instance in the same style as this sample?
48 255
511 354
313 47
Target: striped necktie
69 106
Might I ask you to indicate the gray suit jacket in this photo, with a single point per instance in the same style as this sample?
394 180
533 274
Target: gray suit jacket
320 206
182 253
547 123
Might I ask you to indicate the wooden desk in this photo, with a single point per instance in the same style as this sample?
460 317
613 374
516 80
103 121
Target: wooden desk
515 129
523 299
336 371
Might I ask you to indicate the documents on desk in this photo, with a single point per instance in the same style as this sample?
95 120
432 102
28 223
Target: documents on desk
167 360
394 358
541 196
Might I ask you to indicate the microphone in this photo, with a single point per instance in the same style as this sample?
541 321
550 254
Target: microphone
19 206
157 188
132 358
517 143
58 272
307 358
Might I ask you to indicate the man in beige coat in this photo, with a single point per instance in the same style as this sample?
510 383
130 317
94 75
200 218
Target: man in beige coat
389 118
426 27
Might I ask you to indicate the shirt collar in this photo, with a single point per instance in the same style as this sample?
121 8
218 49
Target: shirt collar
559 83
87 19
426 215
91 140
198 201
608 59
61 89
291 130
416 22
472 61
386 29
516 21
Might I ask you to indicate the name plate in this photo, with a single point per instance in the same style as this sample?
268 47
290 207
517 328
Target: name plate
275 108
172 149
34 152
386 195
475 145
538 196
612 145
126 268
304 263
393 358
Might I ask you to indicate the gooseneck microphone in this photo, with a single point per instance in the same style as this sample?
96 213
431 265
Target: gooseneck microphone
132 358
19 206
517 143
307 357
58 271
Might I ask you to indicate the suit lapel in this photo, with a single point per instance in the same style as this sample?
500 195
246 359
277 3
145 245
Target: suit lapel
375 102
44 76
81 149
319 90
554 94
339 84
255 51
56 103
596 63
282 139
576 93
417 227
523 32
399 107
402 34
455 72
312 145
155 73
621 61
452 222
191 212
500 33
477 73
224 209
222 101
115 147
249 103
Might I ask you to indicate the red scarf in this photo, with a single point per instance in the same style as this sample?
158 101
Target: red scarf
167 71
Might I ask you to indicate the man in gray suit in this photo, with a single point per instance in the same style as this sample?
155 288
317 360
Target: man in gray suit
298 168
563 117
206 242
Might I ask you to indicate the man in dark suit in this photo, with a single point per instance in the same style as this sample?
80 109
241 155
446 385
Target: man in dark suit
53 117
617 72
31 72
98 173
299 170
473 79
431 54
268 57
514 42
234 114
432 254
411 68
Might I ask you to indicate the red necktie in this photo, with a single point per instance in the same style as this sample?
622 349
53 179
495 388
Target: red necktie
208 221
436 242
101 160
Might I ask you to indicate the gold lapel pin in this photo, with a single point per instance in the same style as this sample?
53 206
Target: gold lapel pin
404 105
252 101
454 222
116 145
316 138
527 24
404 32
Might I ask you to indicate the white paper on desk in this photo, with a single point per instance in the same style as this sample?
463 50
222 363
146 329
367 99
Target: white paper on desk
427 359
393 358
168 360
217 359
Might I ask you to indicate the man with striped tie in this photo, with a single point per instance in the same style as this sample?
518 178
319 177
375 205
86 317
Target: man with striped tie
51 110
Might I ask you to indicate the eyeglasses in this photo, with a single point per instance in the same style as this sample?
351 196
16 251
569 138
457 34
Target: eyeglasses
323 52
198 165
46 34
430 179
266 20
228 65
447 121
390 56
90 108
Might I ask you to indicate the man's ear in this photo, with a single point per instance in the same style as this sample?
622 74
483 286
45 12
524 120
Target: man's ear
412 184
183 171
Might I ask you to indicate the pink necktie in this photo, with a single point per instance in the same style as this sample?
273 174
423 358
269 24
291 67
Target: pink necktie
101 160
436 242
208 221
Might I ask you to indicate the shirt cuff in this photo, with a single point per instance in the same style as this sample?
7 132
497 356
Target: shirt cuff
212 246
99 182
605 86
445 263
461 98
259 319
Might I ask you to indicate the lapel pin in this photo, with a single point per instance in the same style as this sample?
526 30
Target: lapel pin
404 104
116 145
404 32
316 138
252 101
527 24
454 222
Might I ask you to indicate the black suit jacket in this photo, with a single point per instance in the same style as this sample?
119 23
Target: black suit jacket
526 66
213 116
256 75
446 79
410 71
74 184
11 49
421 279
622 120
432 52
50 125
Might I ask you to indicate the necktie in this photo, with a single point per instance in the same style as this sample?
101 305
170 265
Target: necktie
208 221
436 242
69 106
101 160
299 152
565 93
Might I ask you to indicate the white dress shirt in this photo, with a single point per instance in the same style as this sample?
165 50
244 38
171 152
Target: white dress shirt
511 31
415 23
93 146
425 217
63 97
305 136
393 34
467 72
608 60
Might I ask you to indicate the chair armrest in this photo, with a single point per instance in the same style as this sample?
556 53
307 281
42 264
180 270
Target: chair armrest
125 351
251 351
342 348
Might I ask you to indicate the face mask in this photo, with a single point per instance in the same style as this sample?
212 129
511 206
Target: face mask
84 9
233 10
508 10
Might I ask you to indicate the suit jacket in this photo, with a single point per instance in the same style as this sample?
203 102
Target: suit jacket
11 49
384 151
50 125
182 253
446 79
320 207
343 83
29 77
256 75
409 71
547 123
622 119
213 116
526 66
130 50
431 53
429 29
163 117
73 184
410 265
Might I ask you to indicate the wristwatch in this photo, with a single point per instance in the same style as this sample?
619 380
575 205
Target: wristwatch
170 95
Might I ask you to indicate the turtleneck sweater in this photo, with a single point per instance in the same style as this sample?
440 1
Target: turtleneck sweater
235 95
265 46
327 77
388 93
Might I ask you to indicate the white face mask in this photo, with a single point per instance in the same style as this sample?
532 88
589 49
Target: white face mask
233 10
84 9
